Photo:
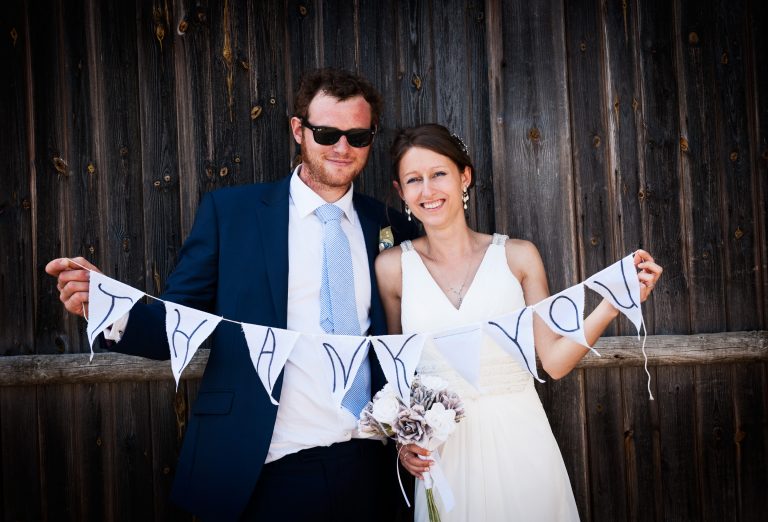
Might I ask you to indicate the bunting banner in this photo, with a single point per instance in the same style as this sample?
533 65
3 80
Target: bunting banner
269 349
186 328
398 356
564 314
461 348
345 355
514 333
108 300
619 285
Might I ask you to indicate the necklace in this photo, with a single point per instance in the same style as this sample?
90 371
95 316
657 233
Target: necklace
459 292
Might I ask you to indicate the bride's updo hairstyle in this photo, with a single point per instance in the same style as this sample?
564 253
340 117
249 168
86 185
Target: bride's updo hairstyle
435 138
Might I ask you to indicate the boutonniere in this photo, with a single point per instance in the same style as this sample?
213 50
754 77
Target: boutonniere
386 239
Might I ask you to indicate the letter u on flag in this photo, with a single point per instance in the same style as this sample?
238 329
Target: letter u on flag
619 285
186 328
108 301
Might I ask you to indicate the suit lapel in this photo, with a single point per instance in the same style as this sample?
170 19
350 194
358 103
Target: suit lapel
273 223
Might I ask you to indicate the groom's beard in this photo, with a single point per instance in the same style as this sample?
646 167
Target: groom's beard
323 166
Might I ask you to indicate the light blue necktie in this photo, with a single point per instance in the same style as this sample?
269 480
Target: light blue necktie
338 307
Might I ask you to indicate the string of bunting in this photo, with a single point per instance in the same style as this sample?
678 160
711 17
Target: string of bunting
398 355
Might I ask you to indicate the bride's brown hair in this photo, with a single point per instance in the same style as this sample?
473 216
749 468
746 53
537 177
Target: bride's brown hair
435 138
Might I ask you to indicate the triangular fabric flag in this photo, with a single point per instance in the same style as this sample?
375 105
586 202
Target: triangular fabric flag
108 301
514 333
269 349
564 314
461 348
398 356
186 328
619 285
344 355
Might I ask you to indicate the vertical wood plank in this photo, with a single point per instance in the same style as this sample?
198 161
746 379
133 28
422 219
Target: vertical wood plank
20 453
415 63
159 163
717 449
751 438
17 288
340 34
270 129
166 436
700 173
93 481
112 62
134 488
680 468
461 94
194 107
231 97
378 63
734 153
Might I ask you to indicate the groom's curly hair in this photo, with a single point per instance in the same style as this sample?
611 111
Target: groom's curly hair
339 84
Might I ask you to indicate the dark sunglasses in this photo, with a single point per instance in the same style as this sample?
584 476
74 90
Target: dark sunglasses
330 135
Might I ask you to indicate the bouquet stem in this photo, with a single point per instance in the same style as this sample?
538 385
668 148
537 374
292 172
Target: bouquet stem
434 514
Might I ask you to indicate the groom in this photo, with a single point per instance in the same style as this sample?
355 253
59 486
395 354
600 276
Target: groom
256 254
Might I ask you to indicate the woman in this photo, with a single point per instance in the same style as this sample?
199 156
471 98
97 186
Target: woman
502 461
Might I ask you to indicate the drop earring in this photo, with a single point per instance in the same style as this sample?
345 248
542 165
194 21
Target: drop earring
465 198
408 211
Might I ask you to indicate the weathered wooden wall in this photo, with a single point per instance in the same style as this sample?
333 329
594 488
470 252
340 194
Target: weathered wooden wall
596 127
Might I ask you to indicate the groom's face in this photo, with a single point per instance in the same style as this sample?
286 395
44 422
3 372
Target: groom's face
329 169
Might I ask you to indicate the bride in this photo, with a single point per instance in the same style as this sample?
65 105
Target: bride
502 461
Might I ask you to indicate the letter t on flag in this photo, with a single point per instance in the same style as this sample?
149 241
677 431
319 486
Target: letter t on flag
108 301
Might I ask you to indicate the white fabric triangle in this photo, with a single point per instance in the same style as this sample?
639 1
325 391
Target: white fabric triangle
186 329
269 348
619 285
108 301
343 356
514 333
461 348
564 314
398 356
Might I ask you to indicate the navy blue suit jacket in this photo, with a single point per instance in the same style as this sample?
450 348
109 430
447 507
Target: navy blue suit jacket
235 264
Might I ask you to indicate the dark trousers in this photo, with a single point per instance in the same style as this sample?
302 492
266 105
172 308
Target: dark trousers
343 482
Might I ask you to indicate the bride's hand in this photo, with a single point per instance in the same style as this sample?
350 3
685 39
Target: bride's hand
649 273
409 458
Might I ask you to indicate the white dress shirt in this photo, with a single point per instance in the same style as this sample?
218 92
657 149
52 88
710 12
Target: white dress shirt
306 417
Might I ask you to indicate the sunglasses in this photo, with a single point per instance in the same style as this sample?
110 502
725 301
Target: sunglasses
330 135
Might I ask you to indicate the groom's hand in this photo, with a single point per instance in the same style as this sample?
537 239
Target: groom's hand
72 282
411 459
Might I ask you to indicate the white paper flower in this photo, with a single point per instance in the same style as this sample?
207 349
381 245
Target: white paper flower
442 421
385 409
433 382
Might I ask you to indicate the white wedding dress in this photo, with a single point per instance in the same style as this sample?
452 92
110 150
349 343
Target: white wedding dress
502 462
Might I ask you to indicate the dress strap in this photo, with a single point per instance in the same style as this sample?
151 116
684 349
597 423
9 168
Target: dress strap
499 239
406 245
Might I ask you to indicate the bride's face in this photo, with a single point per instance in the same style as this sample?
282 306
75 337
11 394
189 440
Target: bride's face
432 185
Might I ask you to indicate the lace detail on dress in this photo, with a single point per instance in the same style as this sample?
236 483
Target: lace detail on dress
406 245
499 239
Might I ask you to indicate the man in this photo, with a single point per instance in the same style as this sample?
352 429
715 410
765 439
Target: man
255 254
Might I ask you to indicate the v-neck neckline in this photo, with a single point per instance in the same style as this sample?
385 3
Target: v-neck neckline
469 288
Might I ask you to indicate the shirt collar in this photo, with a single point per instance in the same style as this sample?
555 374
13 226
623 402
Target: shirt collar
307 200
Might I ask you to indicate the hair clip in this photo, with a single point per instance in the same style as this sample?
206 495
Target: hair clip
462 145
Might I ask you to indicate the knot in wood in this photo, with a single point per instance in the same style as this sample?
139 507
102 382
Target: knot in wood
183 26
534 134
60 165
596 141
724 58
583 46
416 81
693 38
256 111
683 144
739 233
223 171
303 10
91 168
14 36
160 33
734 155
